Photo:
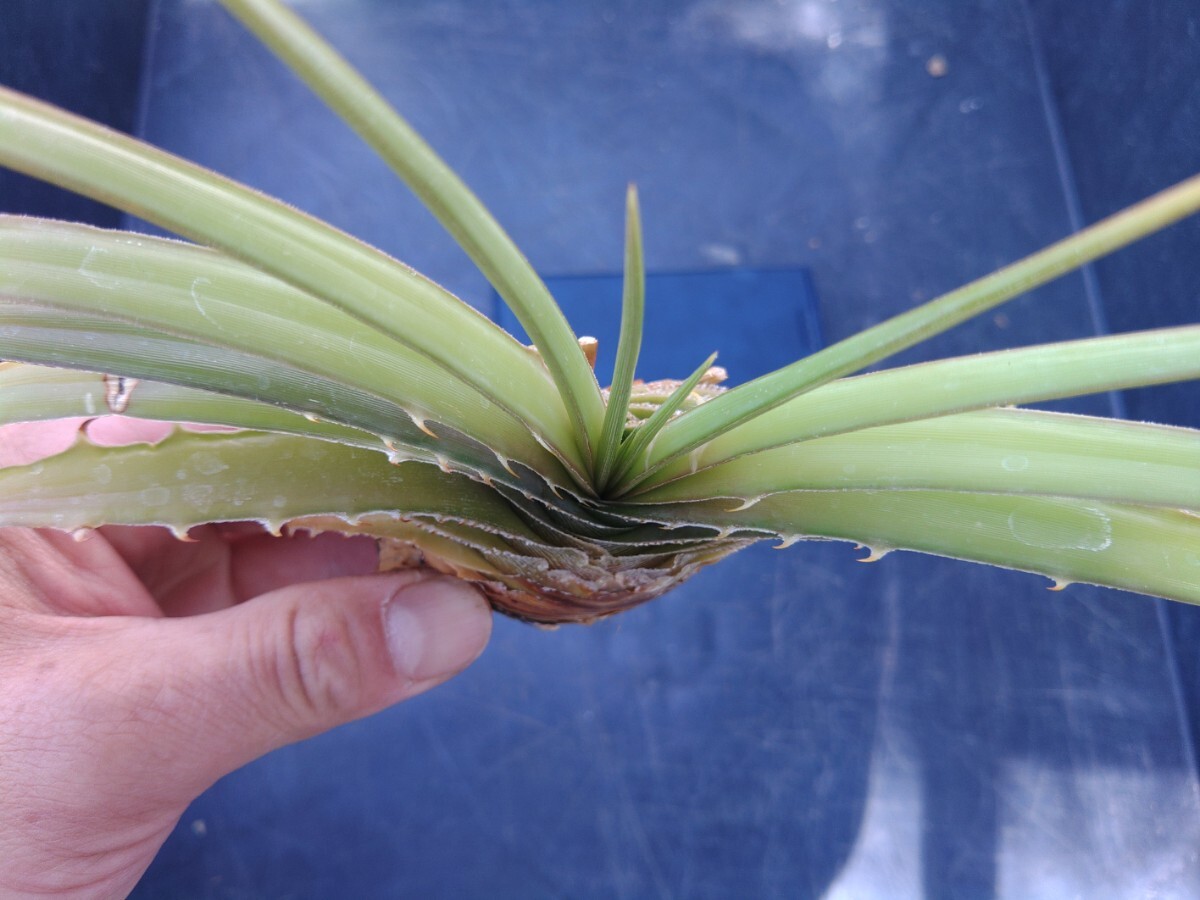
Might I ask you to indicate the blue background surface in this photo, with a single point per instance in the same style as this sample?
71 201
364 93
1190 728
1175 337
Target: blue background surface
787 724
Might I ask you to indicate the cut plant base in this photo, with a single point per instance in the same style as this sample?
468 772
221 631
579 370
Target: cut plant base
383 405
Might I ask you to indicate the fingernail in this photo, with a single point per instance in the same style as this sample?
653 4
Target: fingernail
435 628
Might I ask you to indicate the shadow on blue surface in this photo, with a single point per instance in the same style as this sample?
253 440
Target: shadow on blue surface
787 724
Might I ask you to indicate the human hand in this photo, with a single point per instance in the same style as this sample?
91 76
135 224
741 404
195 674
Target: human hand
137 669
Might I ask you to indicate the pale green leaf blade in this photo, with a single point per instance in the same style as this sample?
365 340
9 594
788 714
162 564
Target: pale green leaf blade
96 344
331 77
645 434
32 393
200 295
53 145
269 478
629 344
1010 451
948 386
1150 550
743 403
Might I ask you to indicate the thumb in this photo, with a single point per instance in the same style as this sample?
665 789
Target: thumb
302 659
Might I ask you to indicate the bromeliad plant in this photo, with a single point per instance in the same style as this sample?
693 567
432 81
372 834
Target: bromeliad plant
367 399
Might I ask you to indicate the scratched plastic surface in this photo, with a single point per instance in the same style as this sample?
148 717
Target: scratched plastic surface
789 724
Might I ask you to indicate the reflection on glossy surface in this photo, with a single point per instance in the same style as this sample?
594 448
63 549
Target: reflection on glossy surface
791 724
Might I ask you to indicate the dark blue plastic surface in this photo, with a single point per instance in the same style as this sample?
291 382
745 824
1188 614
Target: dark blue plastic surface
789 724
85 56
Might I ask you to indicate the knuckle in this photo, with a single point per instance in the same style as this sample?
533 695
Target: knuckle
320 669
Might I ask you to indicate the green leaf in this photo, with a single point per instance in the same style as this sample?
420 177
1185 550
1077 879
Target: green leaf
641 438
74 153
31 393
700 425
98 344
1009 451
333 365
1150 550
628 346
925 390
330 76
191 478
